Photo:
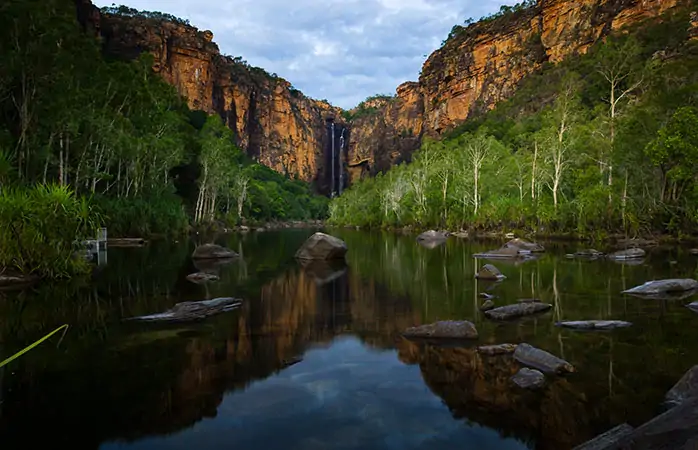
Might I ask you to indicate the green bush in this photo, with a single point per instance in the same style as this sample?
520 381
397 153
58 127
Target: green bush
142 216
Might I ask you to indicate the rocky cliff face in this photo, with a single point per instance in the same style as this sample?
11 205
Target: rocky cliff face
273 122
484 63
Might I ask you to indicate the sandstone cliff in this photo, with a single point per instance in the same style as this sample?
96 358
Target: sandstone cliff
483 64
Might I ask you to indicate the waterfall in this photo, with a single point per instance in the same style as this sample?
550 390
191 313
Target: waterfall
341 157
332 153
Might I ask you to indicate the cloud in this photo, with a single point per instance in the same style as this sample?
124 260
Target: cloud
342 51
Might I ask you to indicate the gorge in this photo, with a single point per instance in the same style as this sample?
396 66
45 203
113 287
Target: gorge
477 67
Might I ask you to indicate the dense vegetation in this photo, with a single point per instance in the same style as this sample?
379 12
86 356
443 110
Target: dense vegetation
117 140
601 143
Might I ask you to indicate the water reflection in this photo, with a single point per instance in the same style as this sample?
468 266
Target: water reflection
228 382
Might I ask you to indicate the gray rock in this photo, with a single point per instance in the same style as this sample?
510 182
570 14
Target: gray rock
524 246
540 359
528 379
487 296
684 389
631 253
528 300
16 280
588 253
606 440
322 246
202 277
669 286
489 272
489 304
461 329
693 251
500 253
693 306
191 311
594 324
518 310
212 251
499 349
432 235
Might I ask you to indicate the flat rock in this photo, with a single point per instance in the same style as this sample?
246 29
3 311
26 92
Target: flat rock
536 358
669 286
518 310
487 296
605 440
594 324
451 329
126 242
191 311
528 300
685 388
322 246
500 253
432 235
202 277
489 272
11 280
693 306
498 349
524 245
213 251
588 253
487 305
631 253
529 379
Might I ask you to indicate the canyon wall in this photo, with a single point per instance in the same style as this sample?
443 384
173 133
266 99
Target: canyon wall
276 124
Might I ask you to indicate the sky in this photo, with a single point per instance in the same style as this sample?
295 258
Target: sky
342 51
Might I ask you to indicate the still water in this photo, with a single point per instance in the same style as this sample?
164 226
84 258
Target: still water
314 358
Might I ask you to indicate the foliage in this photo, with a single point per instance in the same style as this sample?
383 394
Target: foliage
602 142
509 12
43 228
32 346
123 10
368 107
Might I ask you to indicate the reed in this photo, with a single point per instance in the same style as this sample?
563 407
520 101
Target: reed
34 345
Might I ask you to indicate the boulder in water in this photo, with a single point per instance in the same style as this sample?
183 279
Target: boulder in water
669 286
452 329
684 389
487 305
528 300
536 358
202 277
500 253
191 311
489 272
518 310
212 251
524 246
487 296
322 246
631 253
432 238
590 253
498 349
594 324
527 378
693 306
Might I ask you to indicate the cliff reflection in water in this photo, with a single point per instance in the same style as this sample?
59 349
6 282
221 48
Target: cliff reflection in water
111 381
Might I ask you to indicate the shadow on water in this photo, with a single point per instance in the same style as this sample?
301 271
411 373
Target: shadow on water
236 380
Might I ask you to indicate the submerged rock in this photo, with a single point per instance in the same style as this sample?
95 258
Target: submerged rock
631 253
529 379
524 246
212 251
499 349
432 235
517 310
489 272
322 246
126 242
528 300
489 304
594 324
324 272
606 440
590 253
461 329
202 277
536 358
190 311
673 285
685 388
500 253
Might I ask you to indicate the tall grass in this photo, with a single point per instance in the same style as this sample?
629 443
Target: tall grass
42 228
142 217
32 346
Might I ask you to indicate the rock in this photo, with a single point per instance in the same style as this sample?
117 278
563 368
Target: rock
489 304
489 272
528 300
432 239
588 253
594 324
324 272
202 277
540 359
461 234
669 286
518 310
693 306
500 253
693 251
487 296
126 242
605 440
461 329
212 251
9 280
631 253
499 349
529 379
191 311
685 388
525 246
322 246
